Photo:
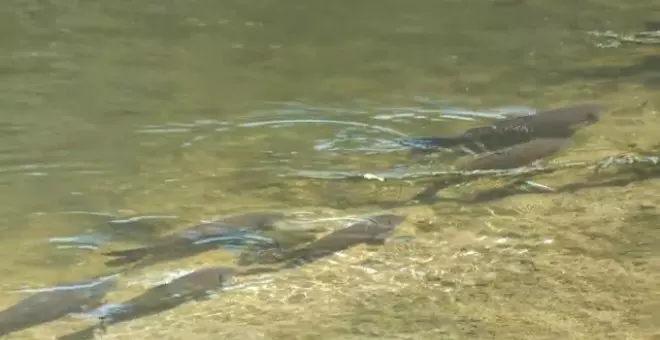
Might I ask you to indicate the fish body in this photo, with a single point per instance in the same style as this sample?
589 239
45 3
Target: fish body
197 285
192 286
554 123
509 158
283 240
517 155
372 230
200 238
55 303
652 25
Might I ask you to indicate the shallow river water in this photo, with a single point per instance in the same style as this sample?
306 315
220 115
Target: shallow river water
121 121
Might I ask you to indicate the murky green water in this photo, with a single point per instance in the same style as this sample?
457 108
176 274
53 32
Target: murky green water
179 111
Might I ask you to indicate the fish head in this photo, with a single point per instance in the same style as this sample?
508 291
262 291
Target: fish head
562 122
579 116
652 25
382 226
591 113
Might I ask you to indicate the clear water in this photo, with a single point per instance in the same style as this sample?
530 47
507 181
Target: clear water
123 120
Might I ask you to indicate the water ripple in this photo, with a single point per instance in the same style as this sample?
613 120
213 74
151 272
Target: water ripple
43 169
310 135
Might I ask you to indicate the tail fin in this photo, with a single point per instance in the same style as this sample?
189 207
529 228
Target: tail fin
126 256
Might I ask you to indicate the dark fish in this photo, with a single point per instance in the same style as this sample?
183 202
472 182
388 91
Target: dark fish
510 158
198 285
652 25
370 230
553 123
55 303
200 238
518 155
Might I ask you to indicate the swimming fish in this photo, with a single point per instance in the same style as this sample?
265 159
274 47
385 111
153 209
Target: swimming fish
284 239
554 123
518 155
198 285
652 25
372 230
200 238
509 158
54 303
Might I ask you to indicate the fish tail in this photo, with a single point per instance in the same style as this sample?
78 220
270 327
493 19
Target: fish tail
126 256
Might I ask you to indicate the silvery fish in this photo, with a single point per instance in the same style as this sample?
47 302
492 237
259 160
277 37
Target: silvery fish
372 230
509 158
197 285
553 123
200 238
53 303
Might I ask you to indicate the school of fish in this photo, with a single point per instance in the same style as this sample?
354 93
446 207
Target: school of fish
506 144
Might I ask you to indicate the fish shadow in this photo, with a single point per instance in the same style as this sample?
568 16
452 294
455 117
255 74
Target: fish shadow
620 179
617 180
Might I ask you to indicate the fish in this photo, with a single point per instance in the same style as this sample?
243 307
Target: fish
54 303
284 239
553 123
195 286
199 238
517 155
652 25
509 158
372 230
